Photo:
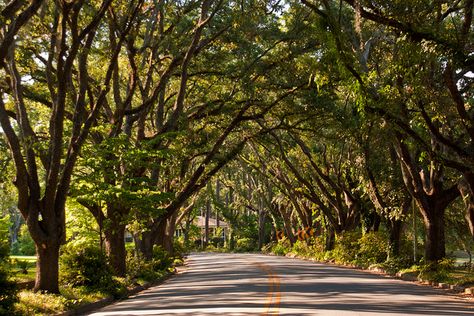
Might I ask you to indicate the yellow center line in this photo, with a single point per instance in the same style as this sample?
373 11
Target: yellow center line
272 304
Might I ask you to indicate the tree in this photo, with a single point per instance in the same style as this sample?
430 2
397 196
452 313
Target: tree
405 75
60 84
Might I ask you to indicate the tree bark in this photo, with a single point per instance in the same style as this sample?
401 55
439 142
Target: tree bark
435 240
206 222
466 188
47 266
115 247
261 227
144 244
330 239
427 188
395 227
165 234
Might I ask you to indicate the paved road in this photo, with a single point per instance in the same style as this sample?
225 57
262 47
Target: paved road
249 284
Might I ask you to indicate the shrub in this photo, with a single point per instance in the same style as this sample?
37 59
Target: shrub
217 242
346 247
180 248
25 244
395 264
161 258
8 289
245 245
281 248
373 248
301 248
22 265
88 267
436 271
137 268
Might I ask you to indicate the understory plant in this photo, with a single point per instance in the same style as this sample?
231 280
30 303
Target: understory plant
88 267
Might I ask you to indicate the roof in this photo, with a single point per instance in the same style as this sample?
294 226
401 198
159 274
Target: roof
212 222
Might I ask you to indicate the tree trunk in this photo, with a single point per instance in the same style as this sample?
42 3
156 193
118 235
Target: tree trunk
144 245
435 242
206 223
47 267
466 188
395 227
186 230
261 228
231 239
330 239
115 247
166 233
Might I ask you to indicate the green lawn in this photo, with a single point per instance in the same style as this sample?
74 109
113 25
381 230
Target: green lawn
461 277
24 258
18 274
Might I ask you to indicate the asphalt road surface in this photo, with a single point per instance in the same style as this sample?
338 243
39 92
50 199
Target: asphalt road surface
250 284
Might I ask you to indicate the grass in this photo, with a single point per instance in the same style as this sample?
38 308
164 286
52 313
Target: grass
18 276
461 277
20 263
46 304
24 258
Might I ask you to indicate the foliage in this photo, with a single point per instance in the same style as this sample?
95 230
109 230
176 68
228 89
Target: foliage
373 248
395 264
31 303
81 228
280 248
139 269
25 245
162 258
154 269
346 248
301 248
436 271
88 267
8 290
246 245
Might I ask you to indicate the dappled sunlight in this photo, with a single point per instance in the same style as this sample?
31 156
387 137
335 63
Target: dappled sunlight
248 284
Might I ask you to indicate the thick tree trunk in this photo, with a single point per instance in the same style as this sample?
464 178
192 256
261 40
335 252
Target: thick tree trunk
395 227
165 234
47 267
287 224
144 245
115 247
330 239
435 243
466 188
231 239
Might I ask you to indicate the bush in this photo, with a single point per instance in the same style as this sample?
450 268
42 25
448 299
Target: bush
8 289
245 245
161 258
281 248
373 248
150 270
137 268
301 248
25 245
436 271
217 242
395 264
88 267
346 247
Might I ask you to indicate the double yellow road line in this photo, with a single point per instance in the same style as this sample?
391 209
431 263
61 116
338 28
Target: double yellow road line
272 303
